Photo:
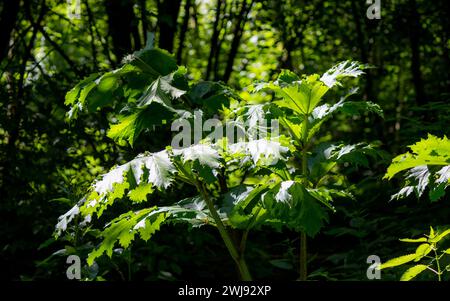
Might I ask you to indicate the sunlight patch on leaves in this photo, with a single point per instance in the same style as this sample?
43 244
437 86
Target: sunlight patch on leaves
283 194
413 272
424 164
430 151
160 173
123 231
344 69
397 261
161 91
66 218
204 154
261 151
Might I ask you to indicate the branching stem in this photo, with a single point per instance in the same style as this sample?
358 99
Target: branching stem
235 254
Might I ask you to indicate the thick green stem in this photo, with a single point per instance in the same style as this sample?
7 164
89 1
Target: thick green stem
237 257
305 143
303 239
243 244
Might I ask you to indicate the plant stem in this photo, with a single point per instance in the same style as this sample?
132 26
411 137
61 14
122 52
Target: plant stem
303 238
243 243
437 264
238 258
304 151
303 257
244 237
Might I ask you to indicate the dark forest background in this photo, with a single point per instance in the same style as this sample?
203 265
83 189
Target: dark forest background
47 163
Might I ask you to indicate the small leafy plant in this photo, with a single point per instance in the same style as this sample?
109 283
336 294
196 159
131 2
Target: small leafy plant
427 257
428 166
286 178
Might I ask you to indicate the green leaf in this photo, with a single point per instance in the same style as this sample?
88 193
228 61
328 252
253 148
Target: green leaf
130 126
301 97
356 154
150 224
121 230
421 239
66 218
325 196
288 76
444 175
430 151
153 62
432 233
344 69
72 97
422 251
282 264
293 205
118 191
398 261
242 206
404 192
353 108
284 196
413 272
139 194
420 163
211 96
160 91
192 211
147 65
439 237
420 176
262 152
312 216
112 185
202 153
437 190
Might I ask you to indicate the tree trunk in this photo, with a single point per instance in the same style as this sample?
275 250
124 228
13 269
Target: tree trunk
362 45
183 30
120 21
8 20
223 27
415 53
238 31
167 22
214 40
16 97
144 19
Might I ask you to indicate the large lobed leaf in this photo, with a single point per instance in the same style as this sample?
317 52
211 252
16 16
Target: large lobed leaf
427 165
430 151
296 207
124 229
344 69
140 69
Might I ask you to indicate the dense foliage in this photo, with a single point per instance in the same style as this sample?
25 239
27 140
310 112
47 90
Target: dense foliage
93 95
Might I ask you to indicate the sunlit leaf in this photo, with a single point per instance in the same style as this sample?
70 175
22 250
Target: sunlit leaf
413 272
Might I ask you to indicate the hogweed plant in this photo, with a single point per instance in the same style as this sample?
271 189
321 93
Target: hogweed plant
427 166
270 169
